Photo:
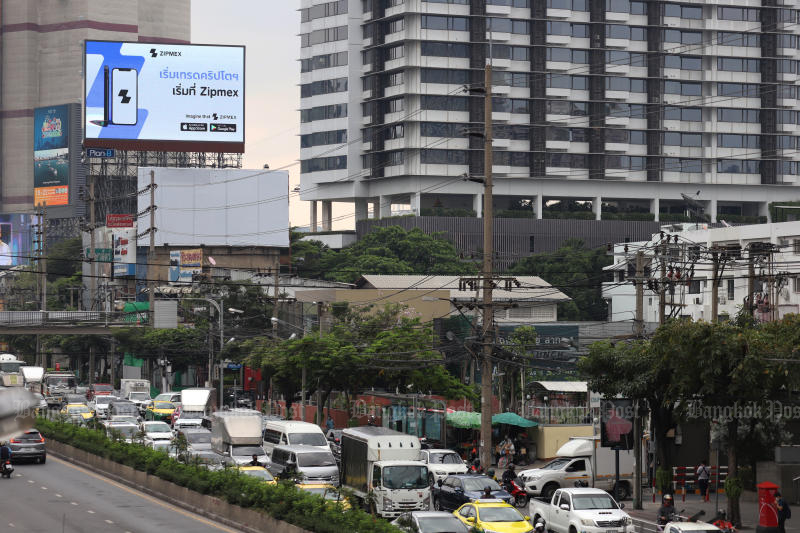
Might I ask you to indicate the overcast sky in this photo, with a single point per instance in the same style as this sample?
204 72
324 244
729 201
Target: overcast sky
269 29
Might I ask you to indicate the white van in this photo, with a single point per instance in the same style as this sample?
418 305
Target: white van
291 432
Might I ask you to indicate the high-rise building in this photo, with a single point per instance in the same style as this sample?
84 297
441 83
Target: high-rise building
626 104
42 65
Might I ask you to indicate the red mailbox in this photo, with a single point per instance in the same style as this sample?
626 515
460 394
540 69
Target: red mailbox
767 512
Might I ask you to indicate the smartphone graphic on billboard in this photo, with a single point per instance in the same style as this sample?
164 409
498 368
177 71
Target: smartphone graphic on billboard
124 96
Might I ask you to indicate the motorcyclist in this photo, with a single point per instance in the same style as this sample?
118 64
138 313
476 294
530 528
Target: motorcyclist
510 474
5 453
667 510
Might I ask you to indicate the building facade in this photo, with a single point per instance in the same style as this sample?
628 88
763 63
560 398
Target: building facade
622 103
42 65
758 267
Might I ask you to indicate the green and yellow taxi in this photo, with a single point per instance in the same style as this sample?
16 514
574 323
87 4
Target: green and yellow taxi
493 516
258 472
330 493
160 411
78 412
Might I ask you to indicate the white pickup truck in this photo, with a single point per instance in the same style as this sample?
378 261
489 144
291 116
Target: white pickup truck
581 510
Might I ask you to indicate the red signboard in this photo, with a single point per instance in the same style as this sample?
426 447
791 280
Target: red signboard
119 221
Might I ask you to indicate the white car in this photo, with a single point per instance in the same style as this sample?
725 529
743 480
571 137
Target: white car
442 463
126 431
581 509
100 405
156 430
690 527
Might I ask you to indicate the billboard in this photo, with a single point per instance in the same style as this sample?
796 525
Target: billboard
124 243
51 155
184 264
616 424
176 97
16 239
217 207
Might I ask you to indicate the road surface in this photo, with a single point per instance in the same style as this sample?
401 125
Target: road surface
58 497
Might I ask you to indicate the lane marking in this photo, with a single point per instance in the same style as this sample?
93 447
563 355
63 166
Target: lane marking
30 481
90 511
58 495
146 497
44 488
109 522
73 503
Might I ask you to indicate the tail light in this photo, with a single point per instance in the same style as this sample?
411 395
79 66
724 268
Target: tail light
16 441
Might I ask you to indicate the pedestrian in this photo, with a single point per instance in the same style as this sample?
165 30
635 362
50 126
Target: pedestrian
702 479
330 423
784 512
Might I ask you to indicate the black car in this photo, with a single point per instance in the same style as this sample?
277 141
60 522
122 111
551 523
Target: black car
28 447
450 494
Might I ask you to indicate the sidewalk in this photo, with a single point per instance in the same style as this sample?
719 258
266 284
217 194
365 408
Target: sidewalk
694 503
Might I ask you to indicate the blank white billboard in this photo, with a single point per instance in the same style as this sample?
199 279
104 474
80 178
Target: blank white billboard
216 207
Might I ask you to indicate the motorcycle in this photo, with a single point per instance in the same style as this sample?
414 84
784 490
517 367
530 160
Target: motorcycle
7 469
539 527
722 523
475 467
677 517
517 492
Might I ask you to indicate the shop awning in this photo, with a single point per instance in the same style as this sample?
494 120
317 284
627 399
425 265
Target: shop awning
464 420
512 419
562 386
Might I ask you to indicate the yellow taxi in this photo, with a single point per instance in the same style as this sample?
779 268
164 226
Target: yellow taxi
78 412
160 411
493 516
258 472
328 492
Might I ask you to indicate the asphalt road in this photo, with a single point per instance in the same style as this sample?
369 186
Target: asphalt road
58 497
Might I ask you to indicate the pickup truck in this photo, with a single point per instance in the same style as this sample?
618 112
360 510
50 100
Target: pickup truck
581 510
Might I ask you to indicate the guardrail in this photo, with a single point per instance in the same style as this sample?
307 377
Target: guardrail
684 479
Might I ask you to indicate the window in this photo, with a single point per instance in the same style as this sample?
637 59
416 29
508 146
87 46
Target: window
323 61
563 107
440 75
566 160
683 37
683 62
787 66
317 164
689 114
622 31
738 64
568 55
625 162
672 138
618 6
565 81
726 114
787 40
326 35
727 38
625 110
567 134
323 137
395 52
337 85
572 5
617 83
694 286
394 79
621 57
685 88
395 25
555 27
683 11
733 140
323 10
433 48
445 103
323 112
443 157
744 90
731 289
674 164
797 283
739 166
508 25
464 2
439 22
738 13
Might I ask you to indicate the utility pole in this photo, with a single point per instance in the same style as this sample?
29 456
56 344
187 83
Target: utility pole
751 281
43 263
715 283
151 278
662 287
488 256
639 294
92 246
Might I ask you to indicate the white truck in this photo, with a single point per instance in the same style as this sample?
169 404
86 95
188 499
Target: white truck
383 469
574 463
581 509
136 391
237 434
195 404
32 376
56 386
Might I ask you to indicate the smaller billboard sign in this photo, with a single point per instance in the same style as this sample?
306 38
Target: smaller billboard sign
16 239
616 424
184 264
119 221
51 155
124 251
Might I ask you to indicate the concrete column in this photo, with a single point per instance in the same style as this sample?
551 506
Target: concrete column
597 207
538 204
763 210
477 204
361 209
327 215
385 206
416 203
711 210
655 207
313 220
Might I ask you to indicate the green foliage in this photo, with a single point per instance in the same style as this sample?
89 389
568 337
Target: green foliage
447 212
733 487
664 480
579 215
283 501
627 216
577 272
784 215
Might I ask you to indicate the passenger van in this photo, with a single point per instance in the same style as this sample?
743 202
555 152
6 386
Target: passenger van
313 464
283 432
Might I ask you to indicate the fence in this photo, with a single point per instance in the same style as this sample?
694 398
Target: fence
684 479
68 318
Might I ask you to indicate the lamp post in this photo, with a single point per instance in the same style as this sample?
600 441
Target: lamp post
275 320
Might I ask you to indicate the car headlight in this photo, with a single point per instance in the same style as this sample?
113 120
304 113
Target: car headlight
587 522
628 521
534 477
387 504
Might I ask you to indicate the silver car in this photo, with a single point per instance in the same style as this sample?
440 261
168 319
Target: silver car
430 522
28 446
312 464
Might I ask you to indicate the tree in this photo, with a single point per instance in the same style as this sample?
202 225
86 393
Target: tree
577 272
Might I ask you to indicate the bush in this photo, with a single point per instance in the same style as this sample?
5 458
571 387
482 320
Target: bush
283 501
447 212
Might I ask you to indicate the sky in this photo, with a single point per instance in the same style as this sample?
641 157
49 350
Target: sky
269 29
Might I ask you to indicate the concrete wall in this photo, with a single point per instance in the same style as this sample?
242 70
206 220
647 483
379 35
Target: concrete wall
231 515
549 438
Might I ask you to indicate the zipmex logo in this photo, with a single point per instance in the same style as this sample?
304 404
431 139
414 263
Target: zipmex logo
153 52
124 98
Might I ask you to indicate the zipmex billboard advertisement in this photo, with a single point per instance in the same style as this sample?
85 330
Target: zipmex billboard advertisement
51 155
141 96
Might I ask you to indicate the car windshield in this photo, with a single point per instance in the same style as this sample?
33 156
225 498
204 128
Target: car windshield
76 409
125 431
316 459
441 524
405 477
104 400
163 405
30 436
124 419
556 464
472 484
198 438
247 450
192 414
64 382
499 514
157 428
260 474
125 408
593 501
309 439
328 493
103 388
139 396
448 458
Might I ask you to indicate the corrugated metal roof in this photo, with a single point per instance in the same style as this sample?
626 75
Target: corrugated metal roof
563 386
532 288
